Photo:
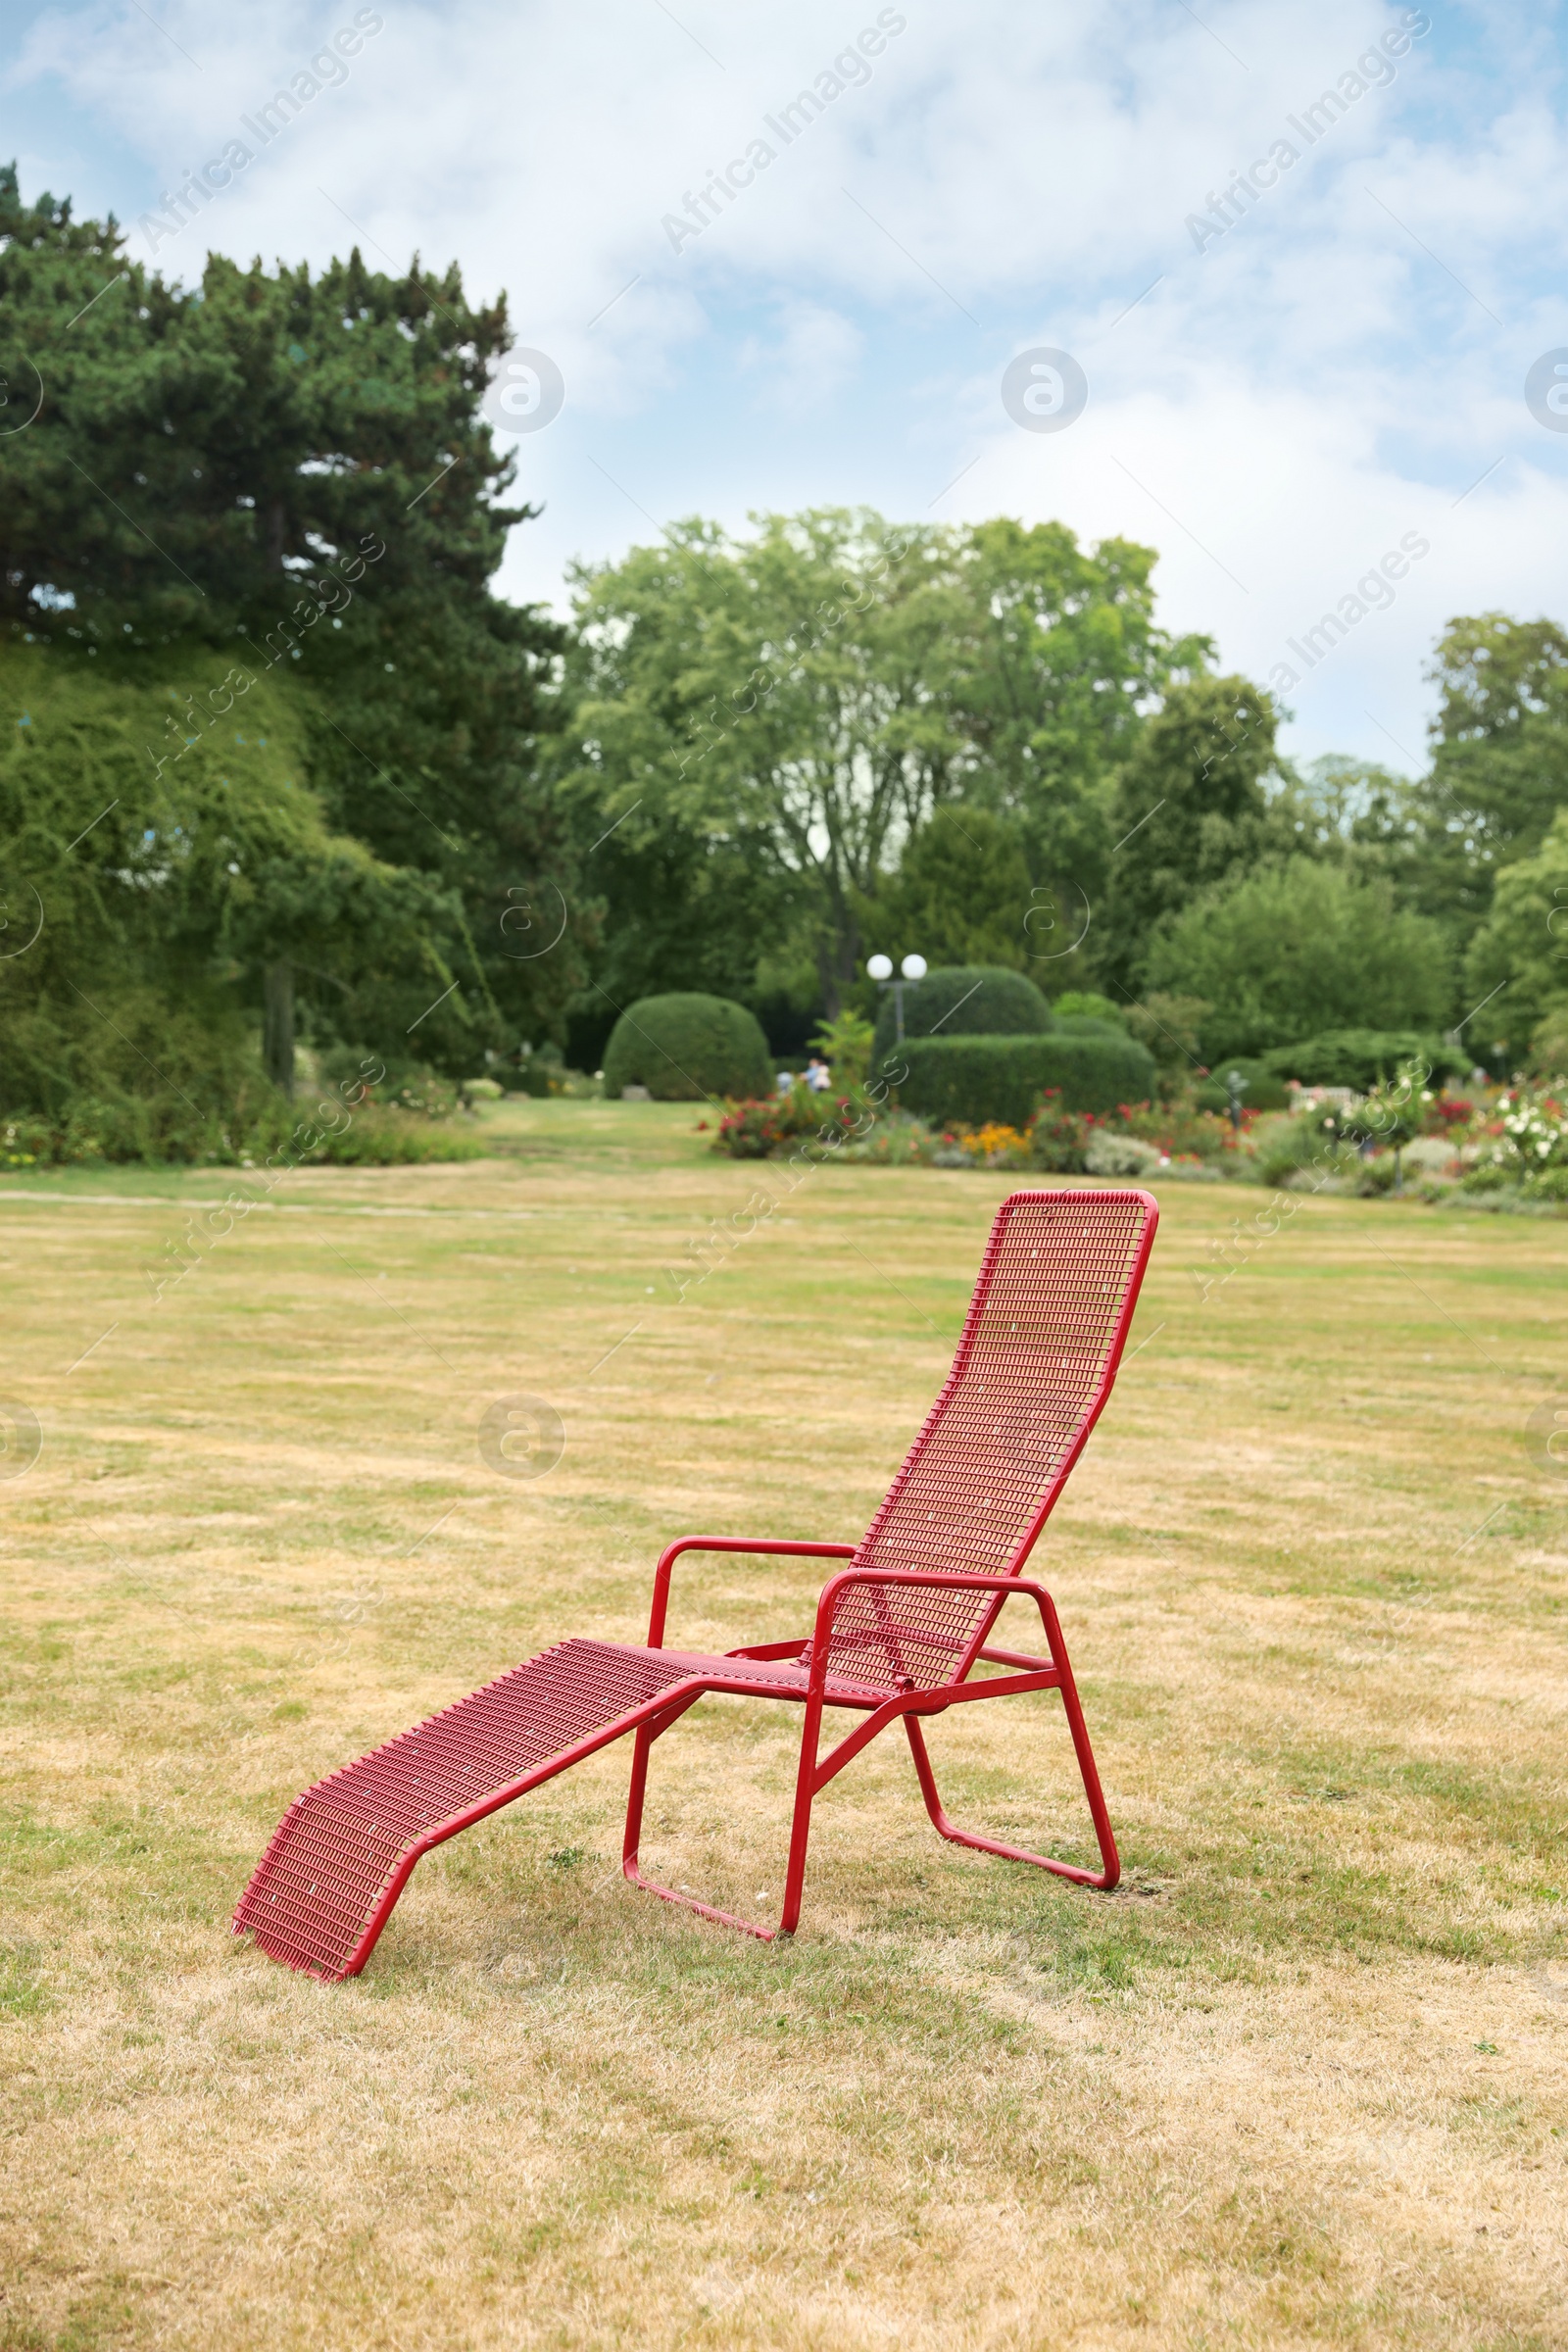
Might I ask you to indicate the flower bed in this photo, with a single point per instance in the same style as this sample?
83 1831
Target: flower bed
757 1128
1524 1147
1402 1138
822 1125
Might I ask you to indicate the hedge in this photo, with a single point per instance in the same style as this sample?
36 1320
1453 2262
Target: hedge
685 1048
966 999
1085 1025
970 1080
1359 1057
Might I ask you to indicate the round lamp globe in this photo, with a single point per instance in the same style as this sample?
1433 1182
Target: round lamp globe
880 968
913 967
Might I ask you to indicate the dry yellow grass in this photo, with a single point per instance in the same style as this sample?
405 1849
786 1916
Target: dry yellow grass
1302 2081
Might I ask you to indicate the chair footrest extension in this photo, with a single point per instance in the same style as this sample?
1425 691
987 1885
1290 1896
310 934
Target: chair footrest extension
342 1846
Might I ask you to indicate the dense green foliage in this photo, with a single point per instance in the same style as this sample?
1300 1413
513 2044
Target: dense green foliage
1190 813
813 694
686 1046
269 486
963 1001
1499 772
153 890
1139 841
1517 967
969 1080
1290 948
963 894
277 761
1364 1058
1085 1005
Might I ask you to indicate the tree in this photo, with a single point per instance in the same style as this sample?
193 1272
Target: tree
296 471
1355 812
154 894
1291 950
1055 661
1060 657
962 895
201 458
811 696
679 910
773 696
303 896
1190 811
1517 967
1499 758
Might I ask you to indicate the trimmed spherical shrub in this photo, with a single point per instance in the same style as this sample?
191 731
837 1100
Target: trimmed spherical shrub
685 1048
972 1080
969 1000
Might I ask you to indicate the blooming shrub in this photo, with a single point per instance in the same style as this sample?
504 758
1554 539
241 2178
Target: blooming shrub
1058 1137
754 1130
1534 1132
897 1141
826 1123
995 1144
1111 1154
1178 1131
1525 1145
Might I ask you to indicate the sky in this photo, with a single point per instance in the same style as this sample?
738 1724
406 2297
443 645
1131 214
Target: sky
1277 291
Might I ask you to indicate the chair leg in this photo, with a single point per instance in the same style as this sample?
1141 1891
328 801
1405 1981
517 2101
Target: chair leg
1104 1879
801 1825
799 1830
636 1794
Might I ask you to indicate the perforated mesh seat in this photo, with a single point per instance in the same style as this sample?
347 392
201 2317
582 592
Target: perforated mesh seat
1034 1366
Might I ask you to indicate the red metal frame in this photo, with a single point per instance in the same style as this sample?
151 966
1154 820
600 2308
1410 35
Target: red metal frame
1052 1673
327 1882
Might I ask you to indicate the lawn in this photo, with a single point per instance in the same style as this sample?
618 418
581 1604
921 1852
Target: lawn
1303 2080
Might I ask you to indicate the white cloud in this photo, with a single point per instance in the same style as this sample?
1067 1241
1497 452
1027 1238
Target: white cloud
811 358
1331 373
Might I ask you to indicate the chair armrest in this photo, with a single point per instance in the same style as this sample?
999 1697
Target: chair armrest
931 1580
672 1552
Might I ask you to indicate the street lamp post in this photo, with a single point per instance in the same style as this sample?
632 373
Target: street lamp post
880 969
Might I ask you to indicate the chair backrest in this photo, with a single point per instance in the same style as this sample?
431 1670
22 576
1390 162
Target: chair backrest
1041 1344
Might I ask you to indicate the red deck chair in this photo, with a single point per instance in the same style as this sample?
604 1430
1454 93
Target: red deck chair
897 1636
